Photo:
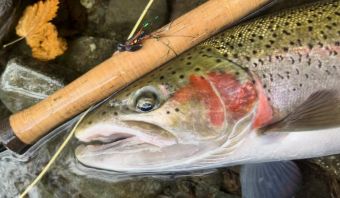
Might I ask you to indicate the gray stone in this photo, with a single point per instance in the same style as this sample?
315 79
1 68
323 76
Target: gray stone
22 86
4 112
180 7
86 52
114 19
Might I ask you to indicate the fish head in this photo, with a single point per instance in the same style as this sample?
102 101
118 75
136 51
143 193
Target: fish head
173 116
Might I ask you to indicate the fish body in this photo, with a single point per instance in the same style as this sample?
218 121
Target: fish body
266 90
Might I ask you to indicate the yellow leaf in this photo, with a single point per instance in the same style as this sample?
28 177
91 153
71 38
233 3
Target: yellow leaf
40 34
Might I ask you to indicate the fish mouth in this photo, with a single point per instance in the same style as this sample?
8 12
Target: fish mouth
129 149
110 133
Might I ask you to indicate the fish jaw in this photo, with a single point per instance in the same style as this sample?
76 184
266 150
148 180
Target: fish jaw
134 156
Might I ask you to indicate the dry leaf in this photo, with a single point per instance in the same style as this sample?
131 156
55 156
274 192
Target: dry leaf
40 34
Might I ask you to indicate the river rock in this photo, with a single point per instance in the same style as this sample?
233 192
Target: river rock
4 112
114 19
180 7
26 81
85 52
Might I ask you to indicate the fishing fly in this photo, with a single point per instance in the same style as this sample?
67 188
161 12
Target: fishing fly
136 42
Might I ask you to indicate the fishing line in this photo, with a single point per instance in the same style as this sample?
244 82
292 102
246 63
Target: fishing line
69 137
146 9
54 157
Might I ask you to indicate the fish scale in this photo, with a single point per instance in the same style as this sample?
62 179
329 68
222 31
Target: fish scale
293 56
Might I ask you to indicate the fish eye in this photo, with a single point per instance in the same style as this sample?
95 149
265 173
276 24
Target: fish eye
145 104
146 99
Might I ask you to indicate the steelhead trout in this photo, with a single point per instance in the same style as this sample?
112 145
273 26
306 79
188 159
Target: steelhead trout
266 90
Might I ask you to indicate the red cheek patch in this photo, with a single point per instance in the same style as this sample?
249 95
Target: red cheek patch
199 90
238 99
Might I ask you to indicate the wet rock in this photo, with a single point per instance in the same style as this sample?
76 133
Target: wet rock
71 19
180 7
208 185
4 112
314 182
330 164
86 52
231 180
114 19
26 81
9 14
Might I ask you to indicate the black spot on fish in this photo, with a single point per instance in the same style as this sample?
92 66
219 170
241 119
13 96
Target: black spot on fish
115 113
225 55
89 122
167 112
161 78
173 72
177 110
280 76
310 28
104 112
268 46
197 69
181 76
310 46
319 64
208 49
188 63
218 60
189 57
285 49
286 32
298 24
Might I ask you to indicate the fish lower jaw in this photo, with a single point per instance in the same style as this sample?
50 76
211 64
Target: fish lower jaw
106 133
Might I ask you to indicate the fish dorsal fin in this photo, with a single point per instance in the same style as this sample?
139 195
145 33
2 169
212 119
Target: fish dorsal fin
320 110
270 180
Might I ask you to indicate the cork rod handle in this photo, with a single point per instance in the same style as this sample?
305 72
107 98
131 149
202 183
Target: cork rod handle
124 67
